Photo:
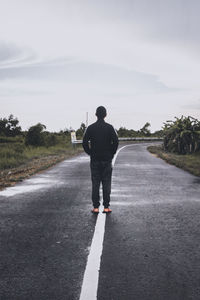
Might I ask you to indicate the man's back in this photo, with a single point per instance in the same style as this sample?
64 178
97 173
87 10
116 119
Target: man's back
103 141
100 141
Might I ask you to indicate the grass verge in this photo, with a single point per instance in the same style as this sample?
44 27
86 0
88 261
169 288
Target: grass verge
17 165
187 162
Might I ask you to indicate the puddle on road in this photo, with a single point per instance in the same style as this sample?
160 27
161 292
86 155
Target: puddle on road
122 203
30 185
77 159
43 181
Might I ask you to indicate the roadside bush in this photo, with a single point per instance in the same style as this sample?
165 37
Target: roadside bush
35 135
182 135
51 139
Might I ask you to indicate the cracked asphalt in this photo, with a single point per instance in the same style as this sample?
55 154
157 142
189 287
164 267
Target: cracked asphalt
151 245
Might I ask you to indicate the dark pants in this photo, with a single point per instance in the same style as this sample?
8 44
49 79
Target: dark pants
101 172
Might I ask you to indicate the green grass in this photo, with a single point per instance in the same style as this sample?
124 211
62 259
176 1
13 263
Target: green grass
11 155
187 162
17 139
15 154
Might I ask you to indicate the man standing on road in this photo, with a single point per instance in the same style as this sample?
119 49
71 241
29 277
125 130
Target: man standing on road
100 141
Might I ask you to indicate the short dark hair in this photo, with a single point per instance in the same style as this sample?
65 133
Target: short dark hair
101 112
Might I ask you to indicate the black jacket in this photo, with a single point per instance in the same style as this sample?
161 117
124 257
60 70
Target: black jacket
103 141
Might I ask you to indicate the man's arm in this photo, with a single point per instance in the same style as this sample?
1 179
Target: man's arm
115 141
85 143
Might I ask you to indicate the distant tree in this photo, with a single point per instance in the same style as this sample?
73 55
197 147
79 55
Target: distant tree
81 130
65 132
123 132
3 126
158 133
145 130
133 133
10 127
35 135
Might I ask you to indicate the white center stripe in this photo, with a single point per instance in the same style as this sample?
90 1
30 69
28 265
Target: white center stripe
91 275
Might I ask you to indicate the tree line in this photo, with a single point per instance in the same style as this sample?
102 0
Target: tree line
124 132
10 131
180 136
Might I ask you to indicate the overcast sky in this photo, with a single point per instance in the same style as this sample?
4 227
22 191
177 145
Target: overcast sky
62 58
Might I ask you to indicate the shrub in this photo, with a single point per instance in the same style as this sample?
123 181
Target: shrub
182 135
35 135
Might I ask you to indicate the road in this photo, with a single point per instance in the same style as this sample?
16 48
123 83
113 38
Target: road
151 247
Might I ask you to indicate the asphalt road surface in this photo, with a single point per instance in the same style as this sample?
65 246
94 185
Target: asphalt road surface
151 247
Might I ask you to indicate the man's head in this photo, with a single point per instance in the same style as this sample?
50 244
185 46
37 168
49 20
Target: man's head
101 112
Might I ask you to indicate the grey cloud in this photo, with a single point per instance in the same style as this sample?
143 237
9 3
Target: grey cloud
10 55
109 76
8 52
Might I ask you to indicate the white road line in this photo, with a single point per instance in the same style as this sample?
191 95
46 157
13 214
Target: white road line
91 275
